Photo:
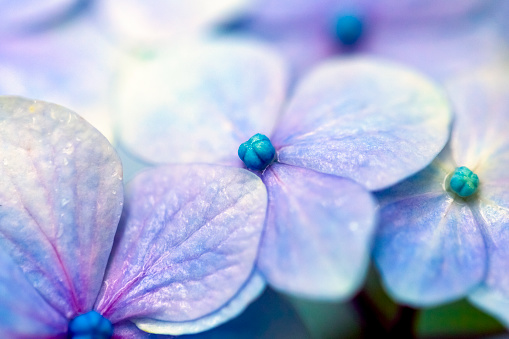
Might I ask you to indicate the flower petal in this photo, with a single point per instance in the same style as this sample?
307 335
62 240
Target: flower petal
250 291
482 119
23 312
429 248
184 107
189 243
345 119
154 21
61 198
317 239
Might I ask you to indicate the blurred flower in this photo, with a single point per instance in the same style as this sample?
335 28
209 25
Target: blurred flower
72 65
182 260
435 36
373 122
155 23
444 231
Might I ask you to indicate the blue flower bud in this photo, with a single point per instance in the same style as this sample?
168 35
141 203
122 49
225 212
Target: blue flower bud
348 29
257 153
90 325
464 182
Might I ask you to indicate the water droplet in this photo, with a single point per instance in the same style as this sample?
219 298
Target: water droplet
68 149
64 201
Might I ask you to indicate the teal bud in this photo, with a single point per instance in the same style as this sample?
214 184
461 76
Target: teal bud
348 29
257 153
464 182
90 325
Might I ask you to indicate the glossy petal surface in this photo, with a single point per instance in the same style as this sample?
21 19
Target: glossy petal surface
153 21
200 109
23 311
61 197
188 243
250 291
345 119
52 66
429 247
318 233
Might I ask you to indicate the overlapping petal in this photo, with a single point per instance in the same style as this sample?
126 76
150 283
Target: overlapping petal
317 237
23 311
199 103
429 247
371 121
251 290
61 198
188 244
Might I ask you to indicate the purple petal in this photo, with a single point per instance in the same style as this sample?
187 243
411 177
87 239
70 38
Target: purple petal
189 243
346 120
61 197
183 107
429 247
317 239
23 311
52 66
148 22
250 291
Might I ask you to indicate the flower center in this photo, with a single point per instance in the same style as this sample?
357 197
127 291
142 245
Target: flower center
257 153
90 325
464 182
348 29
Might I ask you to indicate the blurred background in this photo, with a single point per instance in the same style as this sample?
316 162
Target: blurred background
80 53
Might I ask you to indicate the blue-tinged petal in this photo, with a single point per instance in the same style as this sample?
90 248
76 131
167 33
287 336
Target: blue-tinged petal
148 22
24 16
188 244
23 311
429 247
318 233
52 66
199 103
368 120
61 198
250 291
493 302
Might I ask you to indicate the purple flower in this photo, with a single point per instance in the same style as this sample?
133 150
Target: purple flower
181 261
370 121
435 36
444 232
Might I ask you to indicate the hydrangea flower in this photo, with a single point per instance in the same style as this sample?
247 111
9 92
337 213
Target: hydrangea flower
435 36
373 122
182 259
443 232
